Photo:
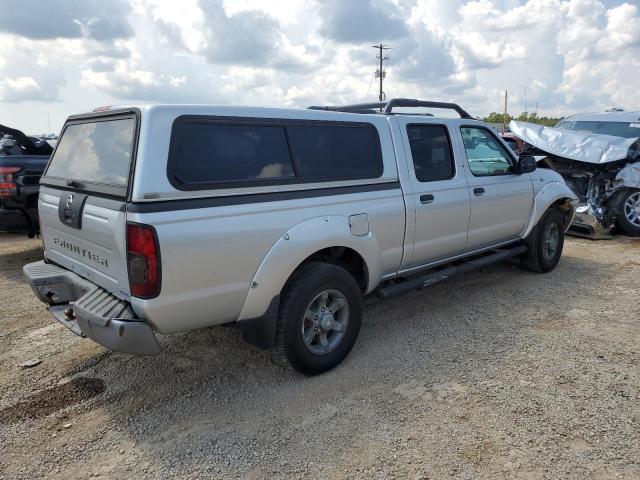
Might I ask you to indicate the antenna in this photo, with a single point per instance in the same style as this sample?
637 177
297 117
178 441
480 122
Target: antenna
381 73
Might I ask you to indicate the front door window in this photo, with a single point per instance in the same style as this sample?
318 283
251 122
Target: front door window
486 156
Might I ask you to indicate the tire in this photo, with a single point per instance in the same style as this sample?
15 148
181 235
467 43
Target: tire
628 212
302 298
544 243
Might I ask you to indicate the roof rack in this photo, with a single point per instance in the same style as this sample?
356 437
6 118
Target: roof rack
387 107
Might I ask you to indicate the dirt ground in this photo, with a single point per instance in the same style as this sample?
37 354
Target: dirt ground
498 374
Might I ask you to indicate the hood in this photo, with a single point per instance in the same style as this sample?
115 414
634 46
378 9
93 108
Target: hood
583 147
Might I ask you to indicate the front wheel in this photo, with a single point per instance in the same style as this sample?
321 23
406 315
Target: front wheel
319 318
544 243
628 217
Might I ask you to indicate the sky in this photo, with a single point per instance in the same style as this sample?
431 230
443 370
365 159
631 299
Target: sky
60 57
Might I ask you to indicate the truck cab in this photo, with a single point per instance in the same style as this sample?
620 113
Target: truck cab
169 218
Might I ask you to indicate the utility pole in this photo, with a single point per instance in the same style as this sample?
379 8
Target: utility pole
381 73
525 104
504 121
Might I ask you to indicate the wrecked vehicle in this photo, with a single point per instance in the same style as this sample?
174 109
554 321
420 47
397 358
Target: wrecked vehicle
22 161
598 154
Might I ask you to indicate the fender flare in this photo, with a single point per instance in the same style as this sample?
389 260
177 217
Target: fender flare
547 196
296 245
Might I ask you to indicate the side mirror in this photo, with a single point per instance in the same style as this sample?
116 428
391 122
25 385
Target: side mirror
525 164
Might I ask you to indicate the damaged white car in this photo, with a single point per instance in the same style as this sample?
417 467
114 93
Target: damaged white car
598 154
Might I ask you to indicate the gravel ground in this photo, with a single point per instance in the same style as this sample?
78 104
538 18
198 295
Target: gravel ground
498 374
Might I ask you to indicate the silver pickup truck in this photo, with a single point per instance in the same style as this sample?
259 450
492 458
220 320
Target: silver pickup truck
169 218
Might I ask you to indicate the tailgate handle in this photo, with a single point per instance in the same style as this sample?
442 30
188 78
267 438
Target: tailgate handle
70 209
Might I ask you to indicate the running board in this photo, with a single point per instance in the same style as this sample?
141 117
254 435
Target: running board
416 283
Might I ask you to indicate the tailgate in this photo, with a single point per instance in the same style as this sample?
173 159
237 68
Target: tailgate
83 198
97 250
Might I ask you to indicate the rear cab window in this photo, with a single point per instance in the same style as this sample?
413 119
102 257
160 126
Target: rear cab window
431 152
210 152
95 155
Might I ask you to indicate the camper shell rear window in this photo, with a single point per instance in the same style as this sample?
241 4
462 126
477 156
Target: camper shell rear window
215 152
94 154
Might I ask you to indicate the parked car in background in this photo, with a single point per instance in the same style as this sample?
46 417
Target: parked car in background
169 218
22 161
598 155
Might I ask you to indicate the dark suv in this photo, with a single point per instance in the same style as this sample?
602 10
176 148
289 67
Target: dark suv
22 161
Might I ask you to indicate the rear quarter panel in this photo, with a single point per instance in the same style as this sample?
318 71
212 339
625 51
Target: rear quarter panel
210 256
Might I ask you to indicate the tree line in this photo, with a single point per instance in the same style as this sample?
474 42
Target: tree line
495 117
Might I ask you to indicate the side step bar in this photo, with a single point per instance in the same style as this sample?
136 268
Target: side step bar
416 283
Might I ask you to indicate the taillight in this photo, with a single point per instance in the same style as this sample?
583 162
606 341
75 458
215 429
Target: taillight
8 186
143 260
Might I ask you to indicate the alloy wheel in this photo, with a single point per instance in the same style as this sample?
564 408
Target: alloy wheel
325 322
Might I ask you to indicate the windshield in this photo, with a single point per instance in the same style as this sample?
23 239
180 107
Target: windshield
616 129
97 152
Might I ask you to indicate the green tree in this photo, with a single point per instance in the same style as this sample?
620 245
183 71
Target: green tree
534 118
495 117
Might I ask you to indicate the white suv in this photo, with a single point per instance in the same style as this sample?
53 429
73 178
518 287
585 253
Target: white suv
169 218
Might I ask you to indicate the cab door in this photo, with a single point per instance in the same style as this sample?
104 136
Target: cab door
501 199
439 196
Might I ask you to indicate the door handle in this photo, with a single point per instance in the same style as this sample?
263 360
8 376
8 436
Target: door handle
428 198
479 191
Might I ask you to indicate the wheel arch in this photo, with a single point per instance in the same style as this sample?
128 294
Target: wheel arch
346 257
326 238
552 195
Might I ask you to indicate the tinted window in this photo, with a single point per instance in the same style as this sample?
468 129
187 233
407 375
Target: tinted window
98 152
431 152
336 151
206 152
485 155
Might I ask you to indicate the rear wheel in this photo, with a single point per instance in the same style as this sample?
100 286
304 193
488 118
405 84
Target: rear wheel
319 318
544 243
628 217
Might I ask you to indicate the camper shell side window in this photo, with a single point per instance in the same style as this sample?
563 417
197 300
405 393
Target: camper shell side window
215 152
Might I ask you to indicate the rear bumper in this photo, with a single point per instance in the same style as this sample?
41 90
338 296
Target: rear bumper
90 311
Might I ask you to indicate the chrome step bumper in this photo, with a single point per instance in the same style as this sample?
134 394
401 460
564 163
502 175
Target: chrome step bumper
90 311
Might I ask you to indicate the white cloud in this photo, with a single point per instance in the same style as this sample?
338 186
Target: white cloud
355 21
571 55
95 19
20 88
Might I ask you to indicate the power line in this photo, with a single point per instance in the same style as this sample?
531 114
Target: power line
370 82
381 73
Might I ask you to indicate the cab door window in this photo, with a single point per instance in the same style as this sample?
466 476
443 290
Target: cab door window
485 155
431 152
